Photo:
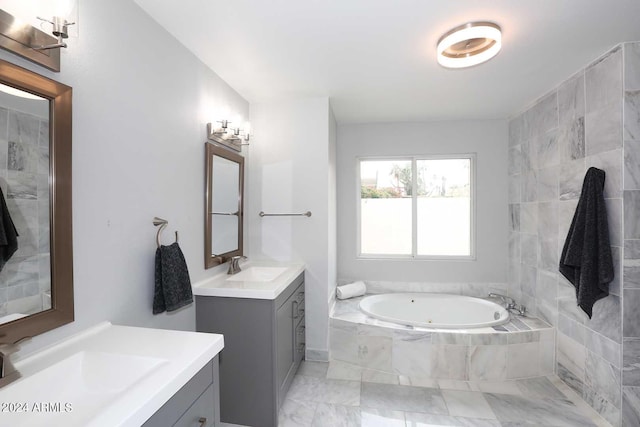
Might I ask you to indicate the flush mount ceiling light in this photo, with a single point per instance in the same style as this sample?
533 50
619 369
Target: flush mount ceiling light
470 44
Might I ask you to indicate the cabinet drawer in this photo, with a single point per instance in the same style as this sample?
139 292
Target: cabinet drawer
180 403
201 413
298 305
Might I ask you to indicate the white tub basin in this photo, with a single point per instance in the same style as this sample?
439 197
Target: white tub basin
80 385
257 274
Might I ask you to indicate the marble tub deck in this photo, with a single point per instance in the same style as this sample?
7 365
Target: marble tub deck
335 395
522 348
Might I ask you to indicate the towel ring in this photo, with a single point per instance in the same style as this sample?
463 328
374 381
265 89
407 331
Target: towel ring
162 223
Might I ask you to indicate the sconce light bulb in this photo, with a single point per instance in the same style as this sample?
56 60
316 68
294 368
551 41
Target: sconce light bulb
223 124
62 8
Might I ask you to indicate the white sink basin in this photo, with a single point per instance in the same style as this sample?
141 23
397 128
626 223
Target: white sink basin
81 385
257 274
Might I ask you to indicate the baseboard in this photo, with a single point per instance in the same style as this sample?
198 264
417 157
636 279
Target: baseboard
317 355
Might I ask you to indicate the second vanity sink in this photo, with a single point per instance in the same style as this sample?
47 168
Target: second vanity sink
106 375
257 274
84 382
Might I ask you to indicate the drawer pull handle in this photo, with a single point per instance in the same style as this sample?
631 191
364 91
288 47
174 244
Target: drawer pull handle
295 310
301 348
202 421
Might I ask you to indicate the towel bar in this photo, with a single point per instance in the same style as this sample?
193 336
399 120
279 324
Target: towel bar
307 214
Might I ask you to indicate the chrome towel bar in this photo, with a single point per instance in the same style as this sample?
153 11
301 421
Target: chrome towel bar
307 214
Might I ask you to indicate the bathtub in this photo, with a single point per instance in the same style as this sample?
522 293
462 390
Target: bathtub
439 311
523 347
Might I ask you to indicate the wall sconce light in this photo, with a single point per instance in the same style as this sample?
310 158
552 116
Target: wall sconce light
229 137
59 30
219 132
24 33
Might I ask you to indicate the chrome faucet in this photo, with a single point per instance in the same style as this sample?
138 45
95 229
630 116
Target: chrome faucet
510 304
8 372
234 264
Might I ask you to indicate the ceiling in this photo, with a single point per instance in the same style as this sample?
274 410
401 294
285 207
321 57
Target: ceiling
375 59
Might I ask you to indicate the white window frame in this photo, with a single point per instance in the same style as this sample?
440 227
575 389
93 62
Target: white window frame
414 208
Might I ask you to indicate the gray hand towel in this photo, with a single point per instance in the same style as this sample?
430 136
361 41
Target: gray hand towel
8 233
586 257
173 286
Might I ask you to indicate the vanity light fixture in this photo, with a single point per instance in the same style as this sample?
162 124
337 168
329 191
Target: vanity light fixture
231 137
59 29
221 131
470 44
235 135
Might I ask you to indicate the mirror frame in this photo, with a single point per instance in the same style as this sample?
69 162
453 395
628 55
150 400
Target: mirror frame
213 150
60 213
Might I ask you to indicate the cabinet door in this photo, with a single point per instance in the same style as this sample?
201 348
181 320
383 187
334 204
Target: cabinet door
299 344
285 340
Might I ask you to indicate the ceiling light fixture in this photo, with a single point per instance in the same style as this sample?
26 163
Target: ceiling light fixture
470 44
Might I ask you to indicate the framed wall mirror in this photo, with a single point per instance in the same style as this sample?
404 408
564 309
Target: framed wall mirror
36 253
223 205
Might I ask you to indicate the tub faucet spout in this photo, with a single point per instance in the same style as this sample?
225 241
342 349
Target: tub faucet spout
508 301
510 304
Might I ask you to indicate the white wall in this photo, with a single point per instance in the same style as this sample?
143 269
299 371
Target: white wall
290 173
140 104
486 138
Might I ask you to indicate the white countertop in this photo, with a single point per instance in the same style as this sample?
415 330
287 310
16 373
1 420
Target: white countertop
220 286
177 355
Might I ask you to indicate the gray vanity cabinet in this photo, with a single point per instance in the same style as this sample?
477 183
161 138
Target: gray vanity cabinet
196 404
263 347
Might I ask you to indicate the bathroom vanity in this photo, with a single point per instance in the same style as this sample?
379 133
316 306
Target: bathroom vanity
260 312
118 376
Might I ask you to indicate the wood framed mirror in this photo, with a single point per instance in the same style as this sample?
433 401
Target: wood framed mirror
223 205
35 177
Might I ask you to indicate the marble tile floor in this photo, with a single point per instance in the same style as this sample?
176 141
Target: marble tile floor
336 395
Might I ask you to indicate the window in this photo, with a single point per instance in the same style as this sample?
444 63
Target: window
434 221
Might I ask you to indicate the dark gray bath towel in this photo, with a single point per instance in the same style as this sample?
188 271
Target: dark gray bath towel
173 286
8 233
586 257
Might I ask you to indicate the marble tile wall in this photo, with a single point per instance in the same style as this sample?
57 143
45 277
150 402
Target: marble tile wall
631 236
24 175
551 145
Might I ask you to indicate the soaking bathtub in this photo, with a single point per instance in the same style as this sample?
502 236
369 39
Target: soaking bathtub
440 311
455 343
